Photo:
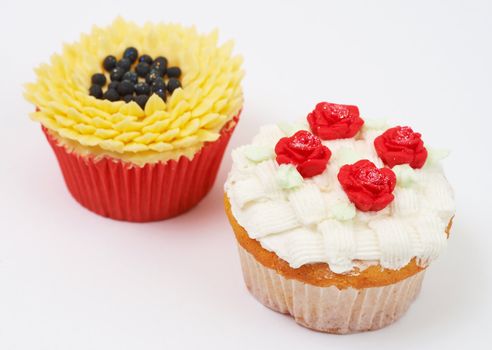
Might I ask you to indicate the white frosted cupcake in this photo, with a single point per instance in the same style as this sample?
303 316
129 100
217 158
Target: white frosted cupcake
337 220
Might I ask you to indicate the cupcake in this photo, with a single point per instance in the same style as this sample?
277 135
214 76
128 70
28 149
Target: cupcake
337 219
139 116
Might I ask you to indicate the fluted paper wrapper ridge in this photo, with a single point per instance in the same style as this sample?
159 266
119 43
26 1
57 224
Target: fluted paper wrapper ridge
119 190
329 309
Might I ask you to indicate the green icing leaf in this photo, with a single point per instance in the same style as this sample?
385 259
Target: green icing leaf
436 155
405 175
258 153
288 177
290 128
375 124
347 155
342 211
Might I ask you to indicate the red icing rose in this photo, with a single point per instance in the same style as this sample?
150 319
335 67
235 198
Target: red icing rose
400 145
331 121
305 151
369 188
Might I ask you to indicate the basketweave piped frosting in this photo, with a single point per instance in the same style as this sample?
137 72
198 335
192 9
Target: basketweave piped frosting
306 212
210 97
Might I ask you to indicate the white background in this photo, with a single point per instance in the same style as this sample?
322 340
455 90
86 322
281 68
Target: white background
70 279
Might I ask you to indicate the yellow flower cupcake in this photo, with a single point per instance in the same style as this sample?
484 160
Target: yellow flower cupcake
337 218
139 116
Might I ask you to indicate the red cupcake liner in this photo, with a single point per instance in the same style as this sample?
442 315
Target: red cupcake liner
123 191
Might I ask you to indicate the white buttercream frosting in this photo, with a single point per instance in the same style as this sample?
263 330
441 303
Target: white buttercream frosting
312 220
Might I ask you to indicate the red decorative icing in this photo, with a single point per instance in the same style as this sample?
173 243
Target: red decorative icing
305 151
401 145
332 121
368 187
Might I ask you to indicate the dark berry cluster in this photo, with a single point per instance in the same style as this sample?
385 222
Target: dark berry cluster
135 78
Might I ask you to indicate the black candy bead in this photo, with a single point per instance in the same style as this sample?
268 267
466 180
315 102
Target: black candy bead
124 82
158 84
146 59
160 72
142 69
126 87
141 100
112 95
173 72
109 63
161 93
142 89
131 54
113 85
96 91
128 98
117 74
173 84
160 63
98 79
153 75
131 76
124 64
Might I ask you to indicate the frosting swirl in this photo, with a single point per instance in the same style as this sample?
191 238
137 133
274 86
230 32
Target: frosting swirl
211 95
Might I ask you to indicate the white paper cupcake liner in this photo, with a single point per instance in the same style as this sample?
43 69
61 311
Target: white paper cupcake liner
329 309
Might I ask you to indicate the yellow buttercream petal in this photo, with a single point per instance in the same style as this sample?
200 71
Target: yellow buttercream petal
216 122
132 108
85 129
154 104
101 123
168 135
190 128
179 110
118 117
78 117
210 95
154 118
135 147
210 118
128 124
203 108
112 145
182 119
86 140
127 136
158 127
96 112
207 136
105 133
146 138
64 121
68 133
185 142
161 146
